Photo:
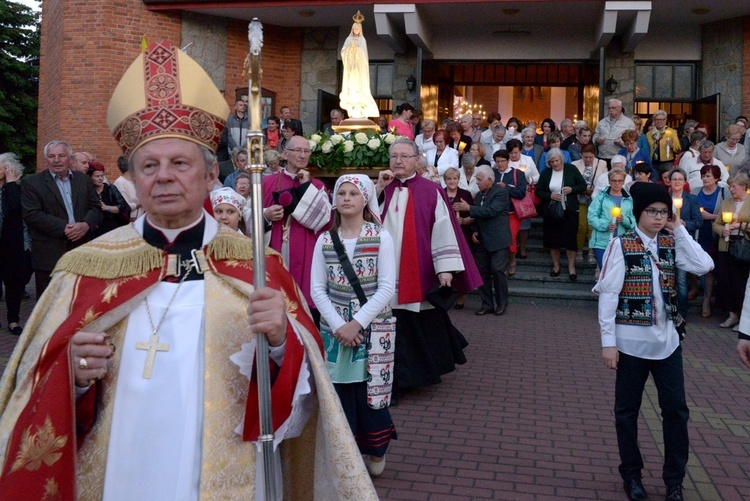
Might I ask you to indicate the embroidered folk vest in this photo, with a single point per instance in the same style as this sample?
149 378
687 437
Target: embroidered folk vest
636 302
346 364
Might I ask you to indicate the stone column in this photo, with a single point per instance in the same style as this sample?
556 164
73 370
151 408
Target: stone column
207 39
721 67
622 68
403 66
319 71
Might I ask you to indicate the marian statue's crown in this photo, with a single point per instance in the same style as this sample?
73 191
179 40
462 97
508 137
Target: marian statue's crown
358 17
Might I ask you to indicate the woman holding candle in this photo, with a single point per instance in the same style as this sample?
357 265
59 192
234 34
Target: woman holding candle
688 211
458 140
560 184
611 213
731 276
710 199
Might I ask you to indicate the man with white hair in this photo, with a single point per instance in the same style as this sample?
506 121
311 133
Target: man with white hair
573 138
430 253
693 165
492 238
60 207
336 117
496 141
567 129
608 135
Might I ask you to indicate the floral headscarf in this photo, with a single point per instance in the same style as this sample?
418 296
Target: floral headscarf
366 187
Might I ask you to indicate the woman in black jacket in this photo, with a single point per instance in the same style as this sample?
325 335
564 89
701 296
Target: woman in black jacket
560 184
15 259
115 209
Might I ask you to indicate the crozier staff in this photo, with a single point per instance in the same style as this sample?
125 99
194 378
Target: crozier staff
161 305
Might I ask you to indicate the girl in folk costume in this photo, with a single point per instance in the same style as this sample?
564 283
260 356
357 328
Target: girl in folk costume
231 209
353 280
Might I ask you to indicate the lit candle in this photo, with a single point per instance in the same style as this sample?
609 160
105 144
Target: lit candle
461 146
677 203
727 217
616 211
702 210
522 167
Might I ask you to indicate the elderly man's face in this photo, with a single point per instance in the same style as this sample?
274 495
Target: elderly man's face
707 153
335 118
286 114
484 182
476 120
297 154
568 129
403 161
80 162
171 181
58 160
615 110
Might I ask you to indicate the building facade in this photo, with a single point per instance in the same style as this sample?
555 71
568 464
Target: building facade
530 59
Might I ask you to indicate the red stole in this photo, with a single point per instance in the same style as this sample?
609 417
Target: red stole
409 286
41 454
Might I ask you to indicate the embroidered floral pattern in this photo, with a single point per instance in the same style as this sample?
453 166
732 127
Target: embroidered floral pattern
40 447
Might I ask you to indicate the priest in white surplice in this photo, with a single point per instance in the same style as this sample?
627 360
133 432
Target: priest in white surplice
133 378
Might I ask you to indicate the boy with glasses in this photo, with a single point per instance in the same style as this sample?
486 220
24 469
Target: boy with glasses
639 327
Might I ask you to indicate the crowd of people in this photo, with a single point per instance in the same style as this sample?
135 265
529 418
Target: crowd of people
378 272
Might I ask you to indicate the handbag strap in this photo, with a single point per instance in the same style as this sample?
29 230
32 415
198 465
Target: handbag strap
347 267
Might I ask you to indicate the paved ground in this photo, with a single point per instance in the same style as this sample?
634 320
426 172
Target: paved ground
529 416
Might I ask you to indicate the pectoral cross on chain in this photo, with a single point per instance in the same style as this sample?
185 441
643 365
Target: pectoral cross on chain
152 347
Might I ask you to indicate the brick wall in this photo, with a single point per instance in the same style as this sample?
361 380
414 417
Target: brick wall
86 47
282 63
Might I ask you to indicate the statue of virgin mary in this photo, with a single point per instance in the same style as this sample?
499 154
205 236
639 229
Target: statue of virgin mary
355 89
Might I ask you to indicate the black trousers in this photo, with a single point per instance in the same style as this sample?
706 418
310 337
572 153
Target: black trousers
492 266
632 373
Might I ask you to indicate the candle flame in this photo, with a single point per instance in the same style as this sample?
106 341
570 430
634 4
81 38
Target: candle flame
727 217
677 202
616 211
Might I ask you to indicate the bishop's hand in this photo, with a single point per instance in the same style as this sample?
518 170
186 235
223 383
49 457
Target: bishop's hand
267 314
90 353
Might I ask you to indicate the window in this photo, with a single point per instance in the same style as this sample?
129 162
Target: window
381 80
664 82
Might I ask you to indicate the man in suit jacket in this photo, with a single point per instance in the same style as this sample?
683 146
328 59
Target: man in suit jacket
60 207
285 113
493 239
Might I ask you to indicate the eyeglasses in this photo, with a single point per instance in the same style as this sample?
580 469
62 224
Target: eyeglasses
654 212
297 151
402 158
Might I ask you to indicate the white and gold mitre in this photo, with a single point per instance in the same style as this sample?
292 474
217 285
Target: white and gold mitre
165 93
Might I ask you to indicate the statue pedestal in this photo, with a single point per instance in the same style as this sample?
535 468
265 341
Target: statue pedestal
356 125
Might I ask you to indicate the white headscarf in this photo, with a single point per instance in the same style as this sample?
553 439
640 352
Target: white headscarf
366 187
228 196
